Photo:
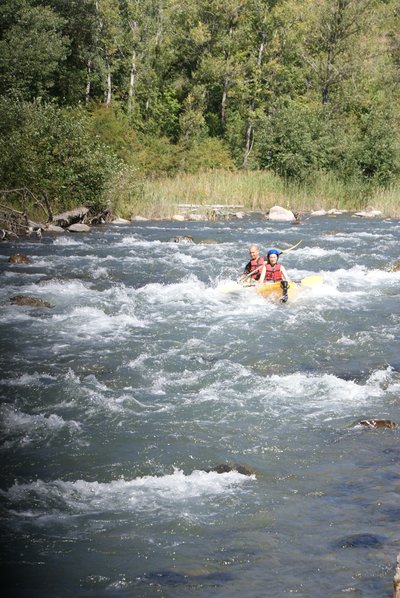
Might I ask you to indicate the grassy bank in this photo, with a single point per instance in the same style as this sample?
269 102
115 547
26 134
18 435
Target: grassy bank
258 190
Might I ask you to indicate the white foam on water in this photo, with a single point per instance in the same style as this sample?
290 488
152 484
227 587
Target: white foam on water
100 272
35 379
317 253
19 429
163 495
135 240
345 340
67 240
89 322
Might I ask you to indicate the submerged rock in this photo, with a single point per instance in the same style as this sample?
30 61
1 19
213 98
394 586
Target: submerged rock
29 301
360 541
227 467
377 423
182 239
396 580
395 267
19 258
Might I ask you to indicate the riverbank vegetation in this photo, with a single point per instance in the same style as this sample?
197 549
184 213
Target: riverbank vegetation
140 106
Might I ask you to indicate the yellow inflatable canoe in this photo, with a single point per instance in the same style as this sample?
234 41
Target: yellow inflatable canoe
273 290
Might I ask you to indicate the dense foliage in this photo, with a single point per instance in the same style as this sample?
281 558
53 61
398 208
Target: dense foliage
93 88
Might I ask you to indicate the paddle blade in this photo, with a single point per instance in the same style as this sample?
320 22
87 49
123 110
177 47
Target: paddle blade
312 281
234 287
290 248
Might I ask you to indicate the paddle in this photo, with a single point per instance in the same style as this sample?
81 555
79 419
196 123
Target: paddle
292 247
310 281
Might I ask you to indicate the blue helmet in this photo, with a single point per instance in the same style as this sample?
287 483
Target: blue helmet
274 251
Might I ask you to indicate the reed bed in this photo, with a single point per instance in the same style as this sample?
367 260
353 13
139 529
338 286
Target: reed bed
252 190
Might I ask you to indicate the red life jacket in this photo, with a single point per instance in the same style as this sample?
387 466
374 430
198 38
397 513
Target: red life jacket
273 273
253 265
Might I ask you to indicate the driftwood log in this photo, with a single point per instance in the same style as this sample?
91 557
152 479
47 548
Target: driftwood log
15 205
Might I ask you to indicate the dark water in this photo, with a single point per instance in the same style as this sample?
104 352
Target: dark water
144 375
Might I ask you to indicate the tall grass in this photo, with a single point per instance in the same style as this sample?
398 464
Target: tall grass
251 190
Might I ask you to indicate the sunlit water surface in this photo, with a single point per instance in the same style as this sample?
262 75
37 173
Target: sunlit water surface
144 375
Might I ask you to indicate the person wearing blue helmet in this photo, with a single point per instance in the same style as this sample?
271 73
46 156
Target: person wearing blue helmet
274 272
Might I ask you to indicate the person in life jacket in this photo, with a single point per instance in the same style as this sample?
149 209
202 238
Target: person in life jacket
274 272
254 267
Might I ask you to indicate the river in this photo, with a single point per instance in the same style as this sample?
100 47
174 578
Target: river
144 375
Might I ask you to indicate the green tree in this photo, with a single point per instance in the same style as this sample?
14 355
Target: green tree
52 152
32 49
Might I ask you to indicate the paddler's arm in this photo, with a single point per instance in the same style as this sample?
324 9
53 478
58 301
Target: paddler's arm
284 285
262 275
285 275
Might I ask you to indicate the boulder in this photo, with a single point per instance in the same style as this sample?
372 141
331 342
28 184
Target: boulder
79 228
19 258
179 217
120 221
26 301
378 423
53 228
369 213
281 214
319 213
197 217
240 215
138 219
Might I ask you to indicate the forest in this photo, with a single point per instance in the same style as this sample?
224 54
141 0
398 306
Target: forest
106 103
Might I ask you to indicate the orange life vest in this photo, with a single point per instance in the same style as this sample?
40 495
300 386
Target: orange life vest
273 273
253 265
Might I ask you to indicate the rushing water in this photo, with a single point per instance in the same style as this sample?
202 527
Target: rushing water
143 375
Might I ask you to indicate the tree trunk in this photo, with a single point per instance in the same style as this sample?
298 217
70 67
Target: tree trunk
249 127
108 92
132 82
88 81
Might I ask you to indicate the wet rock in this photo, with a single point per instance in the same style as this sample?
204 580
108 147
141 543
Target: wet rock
182 239
319 213
19 258
120 221
377 423
197 217
79 228
395 267
369 213
26 301
207 242
53 228
281 214
396 580
360 541
227 467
